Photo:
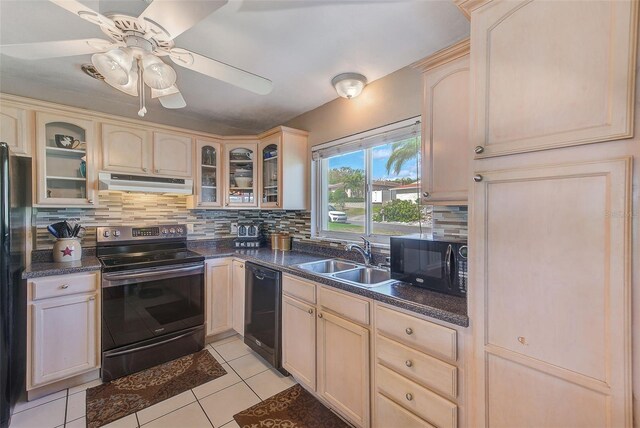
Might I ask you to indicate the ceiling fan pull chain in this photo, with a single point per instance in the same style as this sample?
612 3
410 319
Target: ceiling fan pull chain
143 108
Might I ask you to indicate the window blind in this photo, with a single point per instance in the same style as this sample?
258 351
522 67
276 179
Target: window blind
387 134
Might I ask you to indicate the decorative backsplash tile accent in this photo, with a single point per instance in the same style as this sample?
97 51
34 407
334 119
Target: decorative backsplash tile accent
116 208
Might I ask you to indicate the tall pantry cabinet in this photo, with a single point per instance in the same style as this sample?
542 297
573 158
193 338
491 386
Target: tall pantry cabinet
550 267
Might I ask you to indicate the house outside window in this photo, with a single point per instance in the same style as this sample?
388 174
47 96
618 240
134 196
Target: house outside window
369 184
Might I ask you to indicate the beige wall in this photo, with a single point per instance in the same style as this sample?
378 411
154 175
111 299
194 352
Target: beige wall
394 97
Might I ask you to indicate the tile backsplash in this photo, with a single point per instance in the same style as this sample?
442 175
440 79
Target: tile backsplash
117 208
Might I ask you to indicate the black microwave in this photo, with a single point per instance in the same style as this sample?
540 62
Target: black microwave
435 265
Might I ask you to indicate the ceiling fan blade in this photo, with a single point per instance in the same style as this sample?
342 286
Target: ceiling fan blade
173 101
57 49
176 17
85 12
221 71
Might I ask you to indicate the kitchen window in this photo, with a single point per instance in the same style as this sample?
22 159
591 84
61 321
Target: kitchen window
369 184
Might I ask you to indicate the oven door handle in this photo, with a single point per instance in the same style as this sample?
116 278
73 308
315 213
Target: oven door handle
129 351
115 279
448 261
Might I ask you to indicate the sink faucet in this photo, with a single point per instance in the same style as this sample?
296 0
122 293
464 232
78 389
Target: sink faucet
364 252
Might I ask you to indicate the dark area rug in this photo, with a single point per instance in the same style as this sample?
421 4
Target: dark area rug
292 408
129 394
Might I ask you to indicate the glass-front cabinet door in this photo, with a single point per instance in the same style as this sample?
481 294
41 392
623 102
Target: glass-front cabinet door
65 168
208 179
270 172
241 175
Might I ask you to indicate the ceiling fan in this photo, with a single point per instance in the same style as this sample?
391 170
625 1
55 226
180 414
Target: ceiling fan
132 59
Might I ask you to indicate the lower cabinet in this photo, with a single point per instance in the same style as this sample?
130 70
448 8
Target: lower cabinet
238 296
218 296
299 340
343 366
63 329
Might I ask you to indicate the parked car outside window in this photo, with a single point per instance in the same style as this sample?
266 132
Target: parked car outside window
336 216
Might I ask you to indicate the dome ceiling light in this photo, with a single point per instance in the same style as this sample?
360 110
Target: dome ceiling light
349 85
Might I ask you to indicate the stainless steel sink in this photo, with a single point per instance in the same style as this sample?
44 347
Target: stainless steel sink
365 276
327 266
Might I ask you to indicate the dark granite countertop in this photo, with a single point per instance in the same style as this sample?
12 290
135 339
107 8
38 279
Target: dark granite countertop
451 309
440 306
40 269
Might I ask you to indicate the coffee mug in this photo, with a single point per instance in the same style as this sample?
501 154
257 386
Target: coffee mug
66 141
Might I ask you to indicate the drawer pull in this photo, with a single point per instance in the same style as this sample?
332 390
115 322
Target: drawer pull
409 396
409 331
64 286
408 363
310 311
319 315
522 340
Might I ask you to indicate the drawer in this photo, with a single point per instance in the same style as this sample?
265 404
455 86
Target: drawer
303 290
417 399
390 415
419 334
63 285
349 307
419 367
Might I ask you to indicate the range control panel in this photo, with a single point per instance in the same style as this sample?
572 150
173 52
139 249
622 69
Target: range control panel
141 233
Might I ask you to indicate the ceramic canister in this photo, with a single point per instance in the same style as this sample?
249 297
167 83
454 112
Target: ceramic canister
67 250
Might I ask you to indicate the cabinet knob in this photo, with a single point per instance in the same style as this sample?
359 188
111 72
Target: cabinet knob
277 204
226 204
310 311
426 194
409 331
522 340
477 178
144 169
408 363
319 315
409 396
157 171
478 150
90 201
92 298
64 286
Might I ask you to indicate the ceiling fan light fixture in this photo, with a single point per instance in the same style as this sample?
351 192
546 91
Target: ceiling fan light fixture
113 65
349 85
157 74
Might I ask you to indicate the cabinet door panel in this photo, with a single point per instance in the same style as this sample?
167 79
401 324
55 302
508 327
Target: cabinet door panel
219 315
558 303
343 373
63 338
299 340
238 296
14 129
125 149
172 154
446 132
552 74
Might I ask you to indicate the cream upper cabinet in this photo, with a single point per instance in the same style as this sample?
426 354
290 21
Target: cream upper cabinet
208 175
283 187
549 74
66 160
299 340
238 296
172 154
63 328
552 309
445 126
126 149
343 367
219 296
15 128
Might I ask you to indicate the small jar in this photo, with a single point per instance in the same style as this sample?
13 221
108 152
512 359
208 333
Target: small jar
67 250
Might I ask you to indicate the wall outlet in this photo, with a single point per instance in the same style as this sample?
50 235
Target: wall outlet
189 227
234 228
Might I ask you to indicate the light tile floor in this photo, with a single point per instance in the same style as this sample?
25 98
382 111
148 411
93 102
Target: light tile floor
213 404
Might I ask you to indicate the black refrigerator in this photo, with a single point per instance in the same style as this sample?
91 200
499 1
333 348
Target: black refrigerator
15 199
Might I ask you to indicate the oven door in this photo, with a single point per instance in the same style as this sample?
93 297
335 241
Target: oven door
139 305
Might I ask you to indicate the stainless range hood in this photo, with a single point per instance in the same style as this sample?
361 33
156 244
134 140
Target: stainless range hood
140 183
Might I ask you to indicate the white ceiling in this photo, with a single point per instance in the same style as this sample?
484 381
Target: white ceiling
298 44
